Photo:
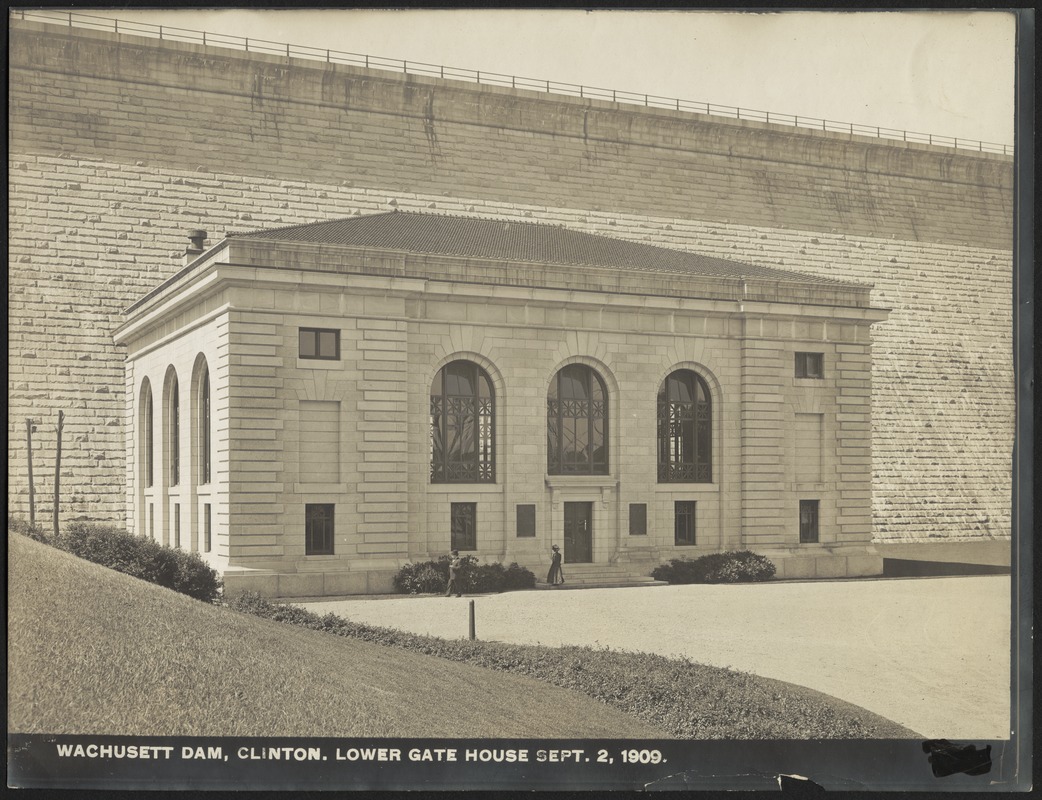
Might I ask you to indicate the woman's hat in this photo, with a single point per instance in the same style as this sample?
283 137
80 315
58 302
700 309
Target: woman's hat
554 547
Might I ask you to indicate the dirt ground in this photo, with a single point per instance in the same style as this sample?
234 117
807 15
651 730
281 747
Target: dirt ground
932 654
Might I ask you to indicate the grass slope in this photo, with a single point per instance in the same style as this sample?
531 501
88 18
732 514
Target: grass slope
92 651
688 700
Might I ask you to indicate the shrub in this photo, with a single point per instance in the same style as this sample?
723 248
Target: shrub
732 567
142 558
19 525
429 577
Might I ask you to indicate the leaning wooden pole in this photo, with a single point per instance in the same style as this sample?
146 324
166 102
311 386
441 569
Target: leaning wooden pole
57 470
29 456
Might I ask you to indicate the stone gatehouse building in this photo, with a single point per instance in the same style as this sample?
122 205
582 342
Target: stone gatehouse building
309 407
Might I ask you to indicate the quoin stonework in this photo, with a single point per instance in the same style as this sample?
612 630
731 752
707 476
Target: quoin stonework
120 145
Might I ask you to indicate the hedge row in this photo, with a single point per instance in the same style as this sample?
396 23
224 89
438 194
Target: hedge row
139 557
736 566
428 577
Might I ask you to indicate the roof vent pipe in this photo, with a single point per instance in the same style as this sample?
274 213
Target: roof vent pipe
197 239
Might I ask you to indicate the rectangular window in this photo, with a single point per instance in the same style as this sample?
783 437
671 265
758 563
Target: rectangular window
638 519
464 526
808 521
526 520
810 365
685 523
318 529
206 528
151 521
321 343
177 524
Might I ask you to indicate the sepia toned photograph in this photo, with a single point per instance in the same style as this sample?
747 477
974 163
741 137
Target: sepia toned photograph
557 399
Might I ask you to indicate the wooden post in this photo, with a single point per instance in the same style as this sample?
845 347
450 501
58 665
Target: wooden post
57 469
472 620
29 455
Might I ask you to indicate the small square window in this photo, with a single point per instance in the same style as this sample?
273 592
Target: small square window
638 519
464 526
318 529
319 343
525 520
808 521
810 365
684 523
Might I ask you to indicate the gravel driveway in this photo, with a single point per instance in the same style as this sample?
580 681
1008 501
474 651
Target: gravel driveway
932 654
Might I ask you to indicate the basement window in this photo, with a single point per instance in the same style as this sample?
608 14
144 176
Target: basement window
808 521
318 529
464 526
684 523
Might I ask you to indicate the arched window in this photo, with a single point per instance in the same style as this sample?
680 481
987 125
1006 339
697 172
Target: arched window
577 423
175 434
147 431
463 409
204 427
685 429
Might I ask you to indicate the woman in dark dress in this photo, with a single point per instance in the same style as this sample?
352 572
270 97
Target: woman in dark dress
555 575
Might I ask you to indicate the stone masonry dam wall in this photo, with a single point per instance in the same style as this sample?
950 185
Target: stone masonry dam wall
119 145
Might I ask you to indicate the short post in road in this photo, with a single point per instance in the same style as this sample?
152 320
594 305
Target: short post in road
472 620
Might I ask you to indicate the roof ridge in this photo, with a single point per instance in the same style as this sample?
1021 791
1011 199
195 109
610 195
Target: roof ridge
255 231
467 215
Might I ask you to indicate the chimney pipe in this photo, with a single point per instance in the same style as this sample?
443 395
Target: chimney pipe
196 238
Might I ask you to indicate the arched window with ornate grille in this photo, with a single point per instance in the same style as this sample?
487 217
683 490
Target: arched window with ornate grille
147 433
462 425
685 429
577 422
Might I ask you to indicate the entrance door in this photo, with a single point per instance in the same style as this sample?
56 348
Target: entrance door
578 533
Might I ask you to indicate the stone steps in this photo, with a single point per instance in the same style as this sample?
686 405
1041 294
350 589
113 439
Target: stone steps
601 576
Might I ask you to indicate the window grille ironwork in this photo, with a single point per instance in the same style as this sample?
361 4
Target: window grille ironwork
318 529
462 425
577 423
149 433
204 429
684 511
175 435
685 429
